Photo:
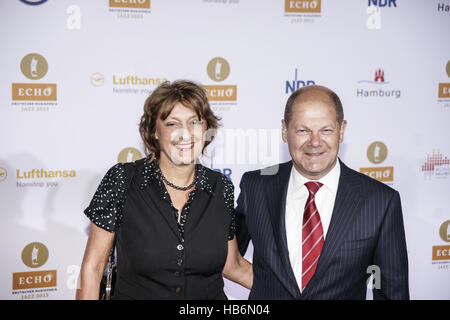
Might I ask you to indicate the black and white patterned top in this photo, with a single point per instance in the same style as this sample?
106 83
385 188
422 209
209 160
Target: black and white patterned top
106 209
157 257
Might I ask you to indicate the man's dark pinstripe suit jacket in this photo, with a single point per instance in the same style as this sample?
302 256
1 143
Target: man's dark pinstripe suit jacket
366 229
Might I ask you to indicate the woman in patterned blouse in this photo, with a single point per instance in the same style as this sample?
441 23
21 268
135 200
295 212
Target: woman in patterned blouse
173 218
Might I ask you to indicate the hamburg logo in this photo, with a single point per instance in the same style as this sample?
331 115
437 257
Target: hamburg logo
378 78
376 87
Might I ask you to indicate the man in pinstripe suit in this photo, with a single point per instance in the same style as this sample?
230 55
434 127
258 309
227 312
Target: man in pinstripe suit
357 221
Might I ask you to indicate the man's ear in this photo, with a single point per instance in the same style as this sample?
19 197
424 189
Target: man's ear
342 130
284 130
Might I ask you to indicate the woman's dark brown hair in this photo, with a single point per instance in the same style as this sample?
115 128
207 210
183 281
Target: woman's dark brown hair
161 103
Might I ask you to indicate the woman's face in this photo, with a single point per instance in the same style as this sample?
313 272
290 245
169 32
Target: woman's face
181 135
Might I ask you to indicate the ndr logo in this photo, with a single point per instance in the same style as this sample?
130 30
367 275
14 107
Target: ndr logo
382 3
292 85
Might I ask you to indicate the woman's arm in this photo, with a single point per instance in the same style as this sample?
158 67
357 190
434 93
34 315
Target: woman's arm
237 269
94 261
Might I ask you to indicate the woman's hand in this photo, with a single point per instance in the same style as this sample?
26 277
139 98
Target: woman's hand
95 257
236 268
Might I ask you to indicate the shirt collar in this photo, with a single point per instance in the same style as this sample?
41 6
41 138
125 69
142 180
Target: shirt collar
152 173
330 180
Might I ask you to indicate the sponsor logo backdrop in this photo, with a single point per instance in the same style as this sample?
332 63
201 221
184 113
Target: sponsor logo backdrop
75 75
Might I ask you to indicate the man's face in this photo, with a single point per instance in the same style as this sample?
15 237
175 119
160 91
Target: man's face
313 135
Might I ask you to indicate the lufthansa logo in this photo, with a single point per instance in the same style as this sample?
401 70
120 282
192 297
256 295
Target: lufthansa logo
3 174
97 79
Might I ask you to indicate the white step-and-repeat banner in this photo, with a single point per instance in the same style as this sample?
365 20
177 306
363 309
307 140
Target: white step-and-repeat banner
74 75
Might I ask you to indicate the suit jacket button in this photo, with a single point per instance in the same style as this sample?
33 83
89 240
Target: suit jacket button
180 247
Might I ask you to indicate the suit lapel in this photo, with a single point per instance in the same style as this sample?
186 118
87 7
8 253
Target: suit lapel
276 196
346 206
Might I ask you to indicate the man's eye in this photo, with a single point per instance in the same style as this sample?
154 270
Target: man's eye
197 122
170 124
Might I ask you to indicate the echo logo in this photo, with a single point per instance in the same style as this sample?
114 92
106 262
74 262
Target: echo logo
444 231
218 70
377 153
36 279
129 154
383 174
442 252
302 6
136 4
444 90
34 255
34 91
34 66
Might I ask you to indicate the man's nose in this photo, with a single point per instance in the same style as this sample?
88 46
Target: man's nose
314 139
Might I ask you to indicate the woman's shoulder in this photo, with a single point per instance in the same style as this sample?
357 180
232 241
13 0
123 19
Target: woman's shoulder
215 177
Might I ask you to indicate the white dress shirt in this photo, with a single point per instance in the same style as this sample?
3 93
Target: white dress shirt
297 195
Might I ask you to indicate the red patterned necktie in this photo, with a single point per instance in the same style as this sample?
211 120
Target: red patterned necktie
312 234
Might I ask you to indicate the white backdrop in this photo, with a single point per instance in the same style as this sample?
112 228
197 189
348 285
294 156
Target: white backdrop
75 74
